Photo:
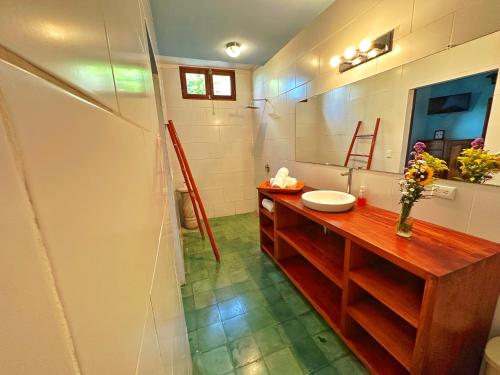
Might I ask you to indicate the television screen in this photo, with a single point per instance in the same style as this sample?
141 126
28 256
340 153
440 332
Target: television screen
449 103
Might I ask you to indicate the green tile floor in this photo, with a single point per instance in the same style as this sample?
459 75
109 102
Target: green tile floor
244 317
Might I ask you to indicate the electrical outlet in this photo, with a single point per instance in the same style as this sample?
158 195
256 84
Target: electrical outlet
446 192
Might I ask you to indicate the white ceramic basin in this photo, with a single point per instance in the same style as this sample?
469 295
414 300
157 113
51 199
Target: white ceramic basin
328 200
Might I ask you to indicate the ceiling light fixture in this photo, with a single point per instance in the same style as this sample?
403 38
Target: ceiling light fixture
367 50
233 49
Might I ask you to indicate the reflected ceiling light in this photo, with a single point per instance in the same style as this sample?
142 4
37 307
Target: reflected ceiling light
233 49
53 31
356 61
373 53
349 53
367 49
365 45
335 61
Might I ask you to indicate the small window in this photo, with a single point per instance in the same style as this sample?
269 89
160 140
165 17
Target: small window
205 83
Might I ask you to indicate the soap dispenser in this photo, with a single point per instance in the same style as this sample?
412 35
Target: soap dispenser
362 196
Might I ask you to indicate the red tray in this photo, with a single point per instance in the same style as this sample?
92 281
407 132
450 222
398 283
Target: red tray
266 186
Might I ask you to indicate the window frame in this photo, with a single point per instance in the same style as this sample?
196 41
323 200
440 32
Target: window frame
223 72
208 73
189 69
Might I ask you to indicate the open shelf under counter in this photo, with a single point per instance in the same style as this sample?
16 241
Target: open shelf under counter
319 290
266 213
397 337
268 230
268 249
371 353
398 290
325 252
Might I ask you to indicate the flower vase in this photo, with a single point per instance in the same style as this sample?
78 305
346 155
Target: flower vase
404 225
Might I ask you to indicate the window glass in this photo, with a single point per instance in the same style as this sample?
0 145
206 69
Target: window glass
195 83
222 85
206 83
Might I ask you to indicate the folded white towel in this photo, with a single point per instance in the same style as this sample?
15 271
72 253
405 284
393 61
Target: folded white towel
290 181
268 204
280 178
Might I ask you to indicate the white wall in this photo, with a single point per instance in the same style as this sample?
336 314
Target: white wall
301 69
217 138
87 273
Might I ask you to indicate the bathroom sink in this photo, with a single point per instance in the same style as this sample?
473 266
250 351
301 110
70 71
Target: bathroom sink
328 200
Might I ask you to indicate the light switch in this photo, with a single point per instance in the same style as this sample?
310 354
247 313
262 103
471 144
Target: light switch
388 154
446 192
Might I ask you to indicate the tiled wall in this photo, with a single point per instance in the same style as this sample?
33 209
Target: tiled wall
301 69
217 139
87 233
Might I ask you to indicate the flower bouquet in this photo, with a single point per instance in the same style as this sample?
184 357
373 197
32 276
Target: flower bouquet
477 165
417 183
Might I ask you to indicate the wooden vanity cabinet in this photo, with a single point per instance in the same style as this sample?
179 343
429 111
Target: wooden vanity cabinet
404 306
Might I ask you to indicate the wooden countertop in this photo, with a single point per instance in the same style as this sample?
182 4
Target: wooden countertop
432 251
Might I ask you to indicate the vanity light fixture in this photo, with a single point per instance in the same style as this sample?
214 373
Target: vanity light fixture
233 49
350 53
372 53
367 50
365 45
335 61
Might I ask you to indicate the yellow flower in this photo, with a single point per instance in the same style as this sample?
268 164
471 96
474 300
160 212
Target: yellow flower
423 175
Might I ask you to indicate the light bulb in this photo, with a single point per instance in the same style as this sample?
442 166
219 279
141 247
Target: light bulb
356 61
365 45
373 53
349 53
335 61
233 49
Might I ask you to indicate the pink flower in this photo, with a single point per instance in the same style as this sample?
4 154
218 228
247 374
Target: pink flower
477 143
419 147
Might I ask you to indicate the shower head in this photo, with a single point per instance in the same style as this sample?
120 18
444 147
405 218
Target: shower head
252 103
265 100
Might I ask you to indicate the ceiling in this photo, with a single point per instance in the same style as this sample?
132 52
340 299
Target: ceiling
199 29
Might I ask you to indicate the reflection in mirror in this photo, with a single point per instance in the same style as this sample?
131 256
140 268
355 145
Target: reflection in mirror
326 124
448 116
445 100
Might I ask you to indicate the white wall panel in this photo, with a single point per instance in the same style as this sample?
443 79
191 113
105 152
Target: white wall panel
65 38
130 61
149 360
34 336
91 194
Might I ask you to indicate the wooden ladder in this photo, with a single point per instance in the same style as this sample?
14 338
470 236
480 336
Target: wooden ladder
191 186
365 136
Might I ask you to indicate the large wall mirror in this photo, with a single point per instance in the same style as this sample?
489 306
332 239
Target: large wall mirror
445 100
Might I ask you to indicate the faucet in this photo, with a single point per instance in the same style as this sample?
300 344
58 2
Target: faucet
349 179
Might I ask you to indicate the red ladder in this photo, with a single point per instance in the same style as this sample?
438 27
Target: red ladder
372 146
191 186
